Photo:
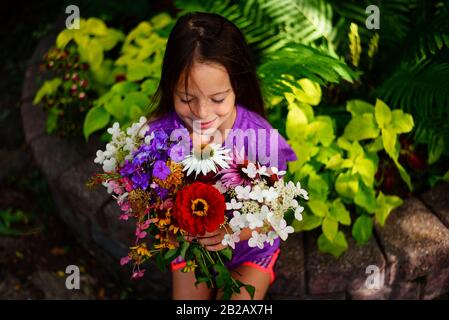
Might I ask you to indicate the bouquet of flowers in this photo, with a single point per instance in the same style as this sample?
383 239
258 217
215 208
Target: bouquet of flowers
173 189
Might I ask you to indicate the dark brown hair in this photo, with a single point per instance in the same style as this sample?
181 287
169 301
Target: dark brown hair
207 37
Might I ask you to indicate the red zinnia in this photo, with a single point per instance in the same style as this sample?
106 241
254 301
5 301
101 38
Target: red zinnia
199 207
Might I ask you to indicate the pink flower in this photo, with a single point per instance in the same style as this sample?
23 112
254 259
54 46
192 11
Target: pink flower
234 176
127 184
125 206
140 234
125 260
124 217
138 274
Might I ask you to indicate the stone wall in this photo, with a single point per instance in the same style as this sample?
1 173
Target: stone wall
411 251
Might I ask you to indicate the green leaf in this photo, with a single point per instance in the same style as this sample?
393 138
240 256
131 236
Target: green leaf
376 145
52 120
149 86
366 169
135 113
226 253
116 107
137 70
389 142
251 290
347 185
359 107
296 122
124 87
362 229
366 198
184 246
95 27
170 254
401 122
318 187
48 88
322 130
97 118
361 127
307 91
385 204
338 212
330 228
336 248
308 222
404 175
64 38
436 152
94 54
318 207
382 113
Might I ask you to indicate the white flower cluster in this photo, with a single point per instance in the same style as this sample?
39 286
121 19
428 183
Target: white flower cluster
262 206
122 144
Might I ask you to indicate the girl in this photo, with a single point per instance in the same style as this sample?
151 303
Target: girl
208 79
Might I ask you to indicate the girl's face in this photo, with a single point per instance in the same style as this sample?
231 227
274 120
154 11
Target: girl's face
209 103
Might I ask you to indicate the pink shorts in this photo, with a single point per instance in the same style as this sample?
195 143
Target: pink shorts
264 264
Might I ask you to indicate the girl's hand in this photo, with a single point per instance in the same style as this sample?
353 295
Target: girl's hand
210 240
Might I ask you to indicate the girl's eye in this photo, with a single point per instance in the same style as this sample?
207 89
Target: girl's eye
217 101
186 101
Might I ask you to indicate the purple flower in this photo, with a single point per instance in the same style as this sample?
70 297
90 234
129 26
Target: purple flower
160 170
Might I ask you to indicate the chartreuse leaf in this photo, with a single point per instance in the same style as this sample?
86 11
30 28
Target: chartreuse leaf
336 248
308 222
52 120
385 204
392 123
361 128
347 185
366 198
366 168
321 130
96 119
296 122
307 91
382 113
318 207
318 186
115 107
359 107
338 212
362 229
48 88
330 228
401 122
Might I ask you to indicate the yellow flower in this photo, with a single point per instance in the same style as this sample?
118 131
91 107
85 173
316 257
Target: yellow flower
142 250
190 266
173 228
174 178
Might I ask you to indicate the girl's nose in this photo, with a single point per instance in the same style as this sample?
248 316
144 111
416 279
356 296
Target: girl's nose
200 110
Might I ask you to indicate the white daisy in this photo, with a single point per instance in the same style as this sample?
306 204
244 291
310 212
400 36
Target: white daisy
233 205
257 240
298 213
243 192
231 239
207 160
283 230
238 221
250 170
302 192
271 237
277 171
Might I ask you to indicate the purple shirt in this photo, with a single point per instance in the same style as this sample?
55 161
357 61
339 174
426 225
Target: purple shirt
261 143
